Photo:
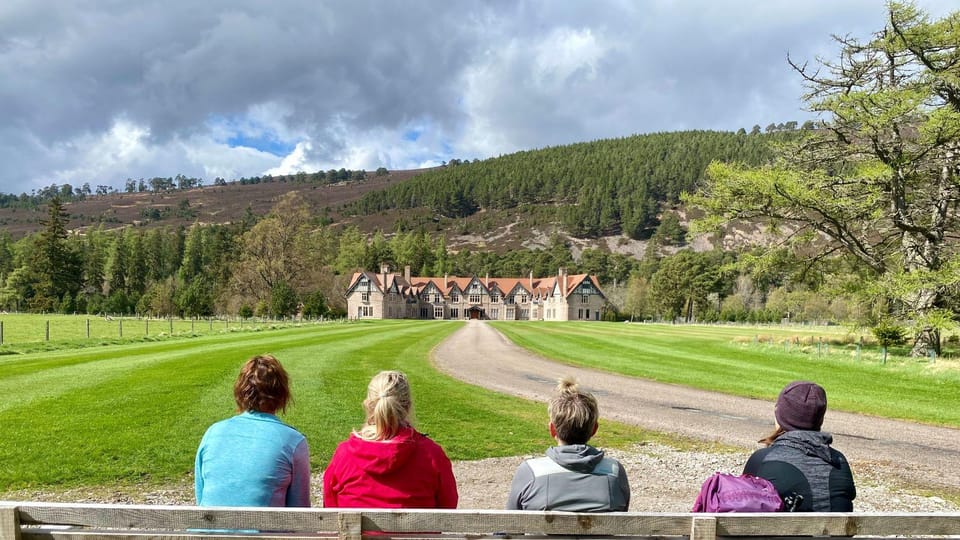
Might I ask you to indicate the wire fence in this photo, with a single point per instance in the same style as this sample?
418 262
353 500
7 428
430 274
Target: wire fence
18 329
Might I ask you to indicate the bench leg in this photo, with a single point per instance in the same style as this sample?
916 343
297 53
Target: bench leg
9 523
703 528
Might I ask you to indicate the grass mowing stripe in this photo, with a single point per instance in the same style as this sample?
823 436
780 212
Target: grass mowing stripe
142 424
116 417
38 376
703 357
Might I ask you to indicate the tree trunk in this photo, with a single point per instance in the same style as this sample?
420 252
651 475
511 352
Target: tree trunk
928 338
927 341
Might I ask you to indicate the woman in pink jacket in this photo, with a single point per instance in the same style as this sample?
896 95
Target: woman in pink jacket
389 464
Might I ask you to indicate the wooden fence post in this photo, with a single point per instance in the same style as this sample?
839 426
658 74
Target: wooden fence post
47 334
171 326
9 523
120 326
703 528
146 326
1 332
88 328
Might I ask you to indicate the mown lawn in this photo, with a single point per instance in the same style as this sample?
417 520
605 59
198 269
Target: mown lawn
136 412
725 359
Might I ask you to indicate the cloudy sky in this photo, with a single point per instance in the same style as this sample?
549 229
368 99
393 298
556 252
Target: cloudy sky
103 90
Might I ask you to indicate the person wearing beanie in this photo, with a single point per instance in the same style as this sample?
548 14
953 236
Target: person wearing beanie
809 474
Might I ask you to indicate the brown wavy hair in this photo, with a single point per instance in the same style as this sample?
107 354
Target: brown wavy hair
262 386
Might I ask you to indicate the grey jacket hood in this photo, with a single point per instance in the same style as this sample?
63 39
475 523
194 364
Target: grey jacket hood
811 443
576 457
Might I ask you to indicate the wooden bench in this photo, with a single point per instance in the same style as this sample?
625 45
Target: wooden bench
30 521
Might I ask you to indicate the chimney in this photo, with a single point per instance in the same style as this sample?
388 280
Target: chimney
531 282
486 282
444 281
406 273
384 268
562 279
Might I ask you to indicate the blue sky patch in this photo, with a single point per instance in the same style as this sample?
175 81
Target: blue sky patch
265 142
412 135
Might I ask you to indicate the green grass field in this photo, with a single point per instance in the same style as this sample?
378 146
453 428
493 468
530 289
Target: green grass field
135 413
725 359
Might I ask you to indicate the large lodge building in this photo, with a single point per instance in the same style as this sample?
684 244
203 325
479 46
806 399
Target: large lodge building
390 295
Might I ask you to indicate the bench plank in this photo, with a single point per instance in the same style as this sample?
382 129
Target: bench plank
65 521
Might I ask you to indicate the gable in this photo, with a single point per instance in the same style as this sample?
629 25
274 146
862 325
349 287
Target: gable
519 289
363 283
476 287
587 287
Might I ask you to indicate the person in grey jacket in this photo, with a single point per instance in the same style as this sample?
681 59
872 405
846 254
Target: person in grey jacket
573 476
809 474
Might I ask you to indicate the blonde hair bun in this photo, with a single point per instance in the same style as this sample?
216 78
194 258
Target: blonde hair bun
567 385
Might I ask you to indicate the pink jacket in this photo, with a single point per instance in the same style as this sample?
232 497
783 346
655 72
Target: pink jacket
407 471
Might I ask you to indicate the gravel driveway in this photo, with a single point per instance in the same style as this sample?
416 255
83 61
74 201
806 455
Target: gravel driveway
885 452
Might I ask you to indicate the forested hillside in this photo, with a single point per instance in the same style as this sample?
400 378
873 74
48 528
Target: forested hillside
598 188
297 252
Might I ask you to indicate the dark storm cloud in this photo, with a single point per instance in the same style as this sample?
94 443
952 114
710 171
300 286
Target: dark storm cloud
102 90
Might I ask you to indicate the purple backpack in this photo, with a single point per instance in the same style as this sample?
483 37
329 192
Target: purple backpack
724 492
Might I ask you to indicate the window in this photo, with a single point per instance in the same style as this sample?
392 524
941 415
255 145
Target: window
474 298
365 297
455 298
364 311
585 298
438 312
454 313
494 298
494 313
579 313
525 314
424 313
508 300
523 299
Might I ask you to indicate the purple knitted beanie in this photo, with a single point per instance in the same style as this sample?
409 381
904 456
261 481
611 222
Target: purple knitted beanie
801 405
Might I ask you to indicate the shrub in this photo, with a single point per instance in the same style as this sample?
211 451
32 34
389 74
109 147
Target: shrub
888 333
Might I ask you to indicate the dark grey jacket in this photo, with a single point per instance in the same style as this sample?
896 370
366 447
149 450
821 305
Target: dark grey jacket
574 478
803 463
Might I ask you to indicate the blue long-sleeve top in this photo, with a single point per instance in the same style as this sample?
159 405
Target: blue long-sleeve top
252 459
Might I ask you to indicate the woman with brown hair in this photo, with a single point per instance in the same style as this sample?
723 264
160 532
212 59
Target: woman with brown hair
809 474
388 463
253 458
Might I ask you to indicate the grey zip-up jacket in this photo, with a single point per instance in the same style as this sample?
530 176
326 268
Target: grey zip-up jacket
574 478
802 463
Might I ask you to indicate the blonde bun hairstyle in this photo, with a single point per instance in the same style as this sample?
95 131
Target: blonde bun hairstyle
389 406
573 413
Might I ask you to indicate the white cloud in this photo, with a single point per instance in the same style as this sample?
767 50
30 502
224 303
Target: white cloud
93 156
566 54
322 85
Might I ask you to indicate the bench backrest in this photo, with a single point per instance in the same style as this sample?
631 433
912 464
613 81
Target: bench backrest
28 521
